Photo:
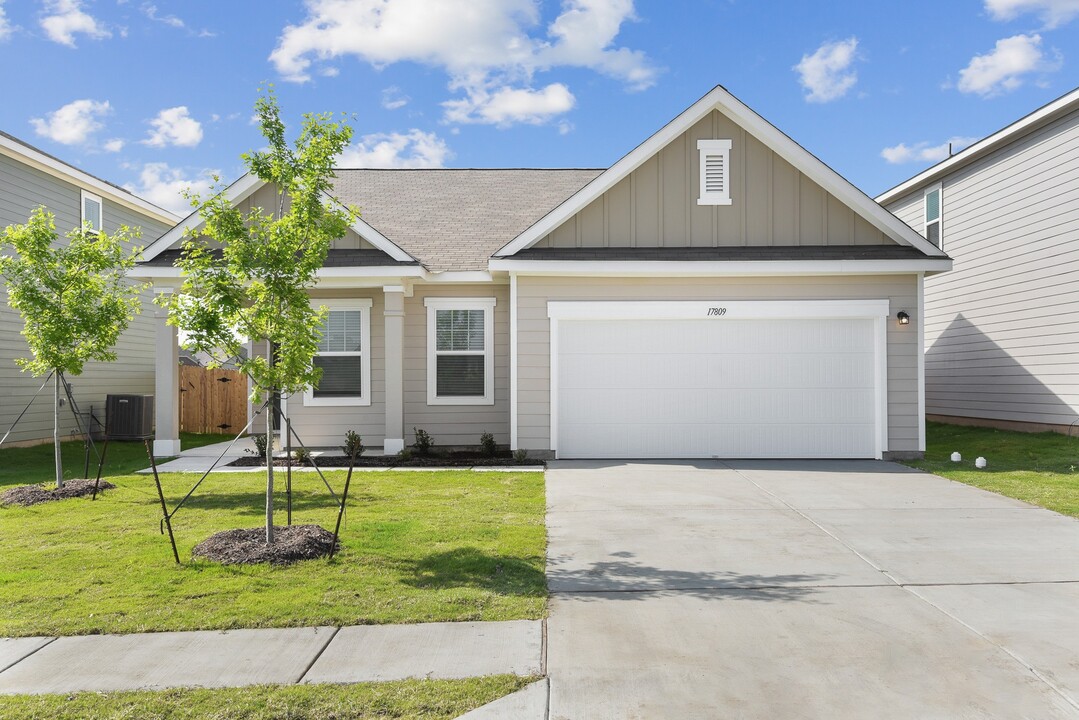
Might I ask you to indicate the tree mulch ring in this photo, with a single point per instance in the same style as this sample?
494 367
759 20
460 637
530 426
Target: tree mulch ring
453 458
249 546
26 495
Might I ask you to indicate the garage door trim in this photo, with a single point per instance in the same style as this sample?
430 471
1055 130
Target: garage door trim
878 310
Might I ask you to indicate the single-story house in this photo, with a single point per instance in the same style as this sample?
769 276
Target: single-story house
717 292
30 178
1001 339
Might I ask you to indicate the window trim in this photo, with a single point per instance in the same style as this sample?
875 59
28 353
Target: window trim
83 197
714 147
926 222
364 305
433 305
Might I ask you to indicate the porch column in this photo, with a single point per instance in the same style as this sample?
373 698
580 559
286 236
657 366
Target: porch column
166 387
394 317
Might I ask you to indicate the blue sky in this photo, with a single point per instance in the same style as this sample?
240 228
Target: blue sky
156 95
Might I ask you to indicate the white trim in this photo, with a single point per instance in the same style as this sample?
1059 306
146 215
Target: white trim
722 148
718 268
983 147
920 319
362 228
364 399
392 446
83 197
701 309
250 409
938 188
757 126
880 333
513 361
487 305
62 170
459 276
554 386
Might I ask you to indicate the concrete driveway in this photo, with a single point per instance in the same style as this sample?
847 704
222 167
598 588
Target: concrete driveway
763 589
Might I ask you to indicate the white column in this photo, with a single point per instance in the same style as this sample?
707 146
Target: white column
166 388
394 317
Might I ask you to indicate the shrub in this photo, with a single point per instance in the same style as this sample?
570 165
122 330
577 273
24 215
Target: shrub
520 455
302 455
424 443
353 444
405 453
260 446
487 444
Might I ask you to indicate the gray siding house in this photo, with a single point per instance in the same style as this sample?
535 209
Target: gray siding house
1001 335
717 292
30 178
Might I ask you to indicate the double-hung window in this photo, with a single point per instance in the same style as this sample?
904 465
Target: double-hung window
344 356
460 351
92 214
934 212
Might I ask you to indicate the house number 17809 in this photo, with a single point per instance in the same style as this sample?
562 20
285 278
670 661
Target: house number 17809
717 311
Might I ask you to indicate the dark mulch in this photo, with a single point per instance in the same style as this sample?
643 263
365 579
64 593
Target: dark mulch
26 495
247 547
461 458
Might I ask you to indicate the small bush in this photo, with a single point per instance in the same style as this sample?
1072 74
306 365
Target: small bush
424 442
353 444
302 455
487 444
405 453
260 446
520 455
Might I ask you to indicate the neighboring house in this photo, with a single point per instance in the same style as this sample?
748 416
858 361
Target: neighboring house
29 178
718 292
1002 339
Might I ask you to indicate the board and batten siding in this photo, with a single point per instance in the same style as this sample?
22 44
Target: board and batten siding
23 188
534 338
773 203
1001 336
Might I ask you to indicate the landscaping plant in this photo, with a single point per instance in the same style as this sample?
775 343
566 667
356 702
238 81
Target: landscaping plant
74 300
353 446
488 445
424 443
256 285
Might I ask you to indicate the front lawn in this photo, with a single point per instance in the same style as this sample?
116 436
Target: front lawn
416 547
1038 468
419 699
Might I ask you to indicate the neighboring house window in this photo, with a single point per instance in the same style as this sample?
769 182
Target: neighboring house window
92 212
715 162
344 355
934 211
460 351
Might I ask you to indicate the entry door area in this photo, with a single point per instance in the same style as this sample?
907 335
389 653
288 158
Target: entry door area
720 386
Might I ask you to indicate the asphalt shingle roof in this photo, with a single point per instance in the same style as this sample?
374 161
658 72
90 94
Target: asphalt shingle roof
454 220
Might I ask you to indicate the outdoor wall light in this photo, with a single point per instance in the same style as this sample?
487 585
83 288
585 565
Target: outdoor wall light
903 318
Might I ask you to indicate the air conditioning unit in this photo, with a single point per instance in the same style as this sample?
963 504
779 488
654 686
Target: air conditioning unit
129 417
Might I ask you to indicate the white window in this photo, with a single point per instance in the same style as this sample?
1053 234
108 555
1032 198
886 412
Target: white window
344 355
934 213
92 212
460 351
715 164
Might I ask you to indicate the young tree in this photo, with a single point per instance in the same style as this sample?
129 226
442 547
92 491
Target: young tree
74 300
256 284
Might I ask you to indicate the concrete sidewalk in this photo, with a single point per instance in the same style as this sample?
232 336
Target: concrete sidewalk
236 658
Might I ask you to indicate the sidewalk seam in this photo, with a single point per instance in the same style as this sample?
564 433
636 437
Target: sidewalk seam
32 652
317 656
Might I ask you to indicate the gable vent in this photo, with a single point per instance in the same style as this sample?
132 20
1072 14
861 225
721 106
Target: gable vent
715 156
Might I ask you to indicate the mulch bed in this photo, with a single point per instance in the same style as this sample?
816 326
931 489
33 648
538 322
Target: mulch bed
248 547
451 459
27 495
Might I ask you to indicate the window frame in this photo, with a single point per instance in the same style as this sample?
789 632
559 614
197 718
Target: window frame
714 147
487 305
926 222
364 305
83 197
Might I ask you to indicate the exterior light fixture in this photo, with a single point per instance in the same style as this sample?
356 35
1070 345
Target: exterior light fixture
903 317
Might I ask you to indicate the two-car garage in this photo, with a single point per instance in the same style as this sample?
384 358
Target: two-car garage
714 379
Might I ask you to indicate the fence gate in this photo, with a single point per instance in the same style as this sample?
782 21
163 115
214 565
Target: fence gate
212 401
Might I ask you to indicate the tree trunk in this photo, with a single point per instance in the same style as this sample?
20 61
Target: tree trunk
56 428
269 471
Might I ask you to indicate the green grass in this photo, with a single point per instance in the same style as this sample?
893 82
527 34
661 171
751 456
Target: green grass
419 699
416 547
1038 468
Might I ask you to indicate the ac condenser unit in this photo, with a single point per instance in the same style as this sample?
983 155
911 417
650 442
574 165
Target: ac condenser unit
129 417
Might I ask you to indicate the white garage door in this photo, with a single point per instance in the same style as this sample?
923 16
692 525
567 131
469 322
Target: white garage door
727 388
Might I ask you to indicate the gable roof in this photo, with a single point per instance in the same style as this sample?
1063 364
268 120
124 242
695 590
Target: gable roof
1025 125
720 99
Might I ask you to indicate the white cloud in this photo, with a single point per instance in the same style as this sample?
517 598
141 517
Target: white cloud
74 123
164 186
1004 67
150 11
826 74
924 151
393 98
174 126
1053 13
5 24
506 106
114 145
483 45
414 149
63 19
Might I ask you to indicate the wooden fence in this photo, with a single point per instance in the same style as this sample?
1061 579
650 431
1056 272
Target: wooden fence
212 401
